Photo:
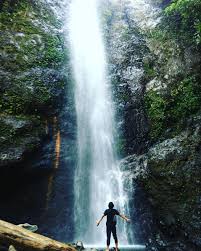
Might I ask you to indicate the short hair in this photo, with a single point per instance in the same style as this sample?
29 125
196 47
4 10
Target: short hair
111 205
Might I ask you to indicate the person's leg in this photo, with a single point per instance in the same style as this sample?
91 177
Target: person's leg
108 230
114 233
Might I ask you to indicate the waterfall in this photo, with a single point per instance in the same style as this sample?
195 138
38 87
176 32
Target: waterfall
98 179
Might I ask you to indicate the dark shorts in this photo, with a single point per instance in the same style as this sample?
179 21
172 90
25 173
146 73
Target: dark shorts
111 229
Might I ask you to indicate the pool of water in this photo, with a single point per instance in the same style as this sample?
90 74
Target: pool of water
121 248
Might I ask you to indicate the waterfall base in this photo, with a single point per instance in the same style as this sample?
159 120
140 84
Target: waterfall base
121 247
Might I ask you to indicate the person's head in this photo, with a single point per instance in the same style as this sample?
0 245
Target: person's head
110 205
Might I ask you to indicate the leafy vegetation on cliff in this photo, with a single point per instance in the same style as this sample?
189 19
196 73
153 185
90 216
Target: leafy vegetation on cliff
185 18
31 48
32 77
172 108
175 44
172 101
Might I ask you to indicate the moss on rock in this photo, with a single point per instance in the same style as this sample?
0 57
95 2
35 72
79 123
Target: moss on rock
172 108
31 74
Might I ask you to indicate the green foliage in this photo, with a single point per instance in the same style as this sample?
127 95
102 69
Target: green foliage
156 106
18 14
18 20
7 131
149 70
179 29
121 146
33 50
197 35
22 99
54 54
29 45
173 108
25 40
185 16
165 50
158 34
184 7
185 99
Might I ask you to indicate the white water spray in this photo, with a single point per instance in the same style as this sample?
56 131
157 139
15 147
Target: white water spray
98 179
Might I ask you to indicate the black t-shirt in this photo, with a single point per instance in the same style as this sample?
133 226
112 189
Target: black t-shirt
110 213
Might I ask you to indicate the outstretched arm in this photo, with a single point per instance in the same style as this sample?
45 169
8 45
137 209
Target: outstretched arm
124 217
98 222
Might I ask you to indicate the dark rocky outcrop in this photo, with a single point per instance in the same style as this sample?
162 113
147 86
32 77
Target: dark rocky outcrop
18 137
169 173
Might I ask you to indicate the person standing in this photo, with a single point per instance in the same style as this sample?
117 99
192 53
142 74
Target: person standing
111 223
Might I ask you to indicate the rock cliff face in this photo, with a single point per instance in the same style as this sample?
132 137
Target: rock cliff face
170 174
126 50
32 75
156 74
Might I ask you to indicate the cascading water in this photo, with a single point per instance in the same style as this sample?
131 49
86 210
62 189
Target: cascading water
98 179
